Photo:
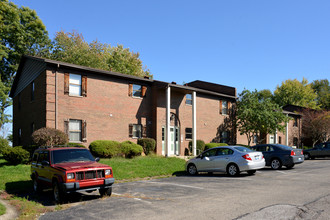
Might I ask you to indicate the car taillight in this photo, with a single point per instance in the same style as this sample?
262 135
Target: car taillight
293 153
302 152
247 157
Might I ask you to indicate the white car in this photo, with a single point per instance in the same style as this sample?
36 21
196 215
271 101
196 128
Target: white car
230 159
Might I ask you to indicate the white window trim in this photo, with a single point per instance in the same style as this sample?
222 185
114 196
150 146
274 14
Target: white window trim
75 84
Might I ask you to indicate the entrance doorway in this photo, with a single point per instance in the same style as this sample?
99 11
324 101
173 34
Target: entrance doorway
174 141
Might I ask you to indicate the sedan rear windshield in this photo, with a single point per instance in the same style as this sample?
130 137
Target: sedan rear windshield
72 155
284 147
244 149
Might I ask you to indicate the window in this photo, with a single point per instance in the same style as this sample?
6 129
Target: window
137 90
295 123
75 130
135 130
224 107
224 137
32 127
19 136
188 133
224 151
255 139
210 153
295 141
280 140
75 85
189 99
32 91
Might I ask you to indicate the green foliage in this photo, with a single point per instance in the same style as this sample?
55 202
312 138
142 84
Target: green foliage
2 209
3 144
257 116
148 145
74 145
322 89
296 93
31 149
16 155
105 148
142 167
130 149
212 145
200 145
49 137
72 48
21 32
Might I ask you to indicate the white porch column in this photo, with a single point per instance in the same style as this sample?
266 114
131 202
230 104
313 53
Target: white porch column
287 133
276 137
168 120
194 123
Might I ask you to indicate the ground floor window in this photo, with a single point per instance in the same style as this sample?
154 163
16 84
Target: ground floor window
135 130
75 130
224 137
188 133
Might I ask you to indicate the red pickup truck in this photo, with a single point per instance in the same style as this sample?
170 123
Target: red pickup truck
69 169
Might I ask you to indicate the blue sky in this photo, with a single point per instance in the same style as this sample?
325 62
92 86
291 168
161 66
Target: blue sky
253 44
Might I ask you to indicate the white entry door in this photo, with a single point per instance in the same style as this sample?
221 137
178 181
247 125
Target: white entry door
271 139
174 141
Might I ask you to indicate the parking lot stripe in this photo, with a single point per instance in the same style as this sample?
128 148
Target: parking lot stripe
174 184
281 172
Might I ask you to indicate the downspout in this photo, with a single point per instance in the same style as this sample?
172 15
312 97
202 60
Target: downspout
56 106
287 132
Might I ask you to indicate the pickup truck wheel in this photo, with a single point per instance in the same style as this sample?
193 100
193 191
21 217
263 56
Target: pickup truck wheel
59 196
106 192
36 186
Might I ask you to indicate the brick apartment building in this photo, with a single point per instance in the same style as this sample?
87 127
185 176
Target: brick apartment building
91 104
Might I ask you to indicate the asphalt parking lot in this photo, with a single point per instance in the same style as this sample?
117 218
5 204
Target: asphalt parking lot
299 193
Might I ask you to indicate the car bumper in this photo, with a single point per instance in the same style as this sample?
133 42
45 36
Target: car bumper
87 185
291 160
252 165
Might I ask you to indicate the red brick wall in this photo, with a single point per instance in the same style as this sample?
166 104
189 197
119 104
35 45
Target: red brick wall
107 109
30 111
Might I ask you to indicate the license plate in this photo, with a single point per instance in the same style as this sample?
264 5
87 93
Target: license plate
257 157
299 158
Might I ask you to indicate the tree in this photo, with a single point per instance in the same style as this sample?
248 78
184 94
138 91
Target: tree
21 32
322 89
72 48
316 125
258 116
296 93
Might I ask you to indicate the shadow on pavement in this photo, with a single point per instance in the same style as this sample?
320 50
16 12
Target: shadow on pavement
24 189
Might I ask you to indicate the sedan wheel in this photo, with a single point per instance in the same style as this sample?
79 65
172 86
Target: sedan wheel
307 156
276 164
192 170
232 170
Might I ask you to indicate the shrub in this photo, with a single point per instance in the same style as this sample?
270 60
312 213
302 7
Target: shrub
30 149
16 155
49 137
74 145
130 149
211 145
3 144
105 148
148 145
200 145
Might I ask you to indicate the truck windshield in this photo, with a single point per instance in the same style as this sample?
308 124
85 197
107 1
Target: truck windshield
72 155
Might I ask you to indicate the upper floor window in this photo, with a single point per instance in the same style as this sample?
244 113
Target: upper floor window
224 107
32 91
136 90
189 99
295 123
19 136
75 84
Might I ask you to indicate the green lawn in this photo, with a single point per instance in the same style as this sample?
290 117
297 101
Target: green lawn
2 209
16 181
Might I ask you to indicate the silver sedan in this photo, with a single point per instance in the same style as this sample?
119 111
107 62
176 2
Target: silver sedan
230 159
